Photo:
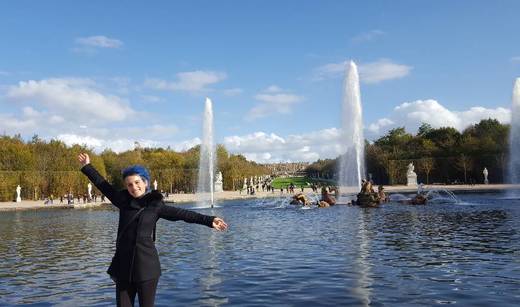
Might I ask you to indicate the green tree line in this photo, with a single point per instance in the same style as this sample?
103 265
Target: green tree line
442 155
44 168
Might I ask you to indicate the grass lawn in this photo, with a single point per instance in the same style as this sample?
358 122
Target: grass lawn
297 181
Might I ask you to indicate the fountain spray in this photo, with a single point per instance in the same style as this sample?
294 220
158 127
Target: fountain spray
514 138
352 163
205 186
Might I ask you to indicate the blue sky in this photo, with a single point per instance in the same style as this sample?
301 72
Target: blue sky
111 73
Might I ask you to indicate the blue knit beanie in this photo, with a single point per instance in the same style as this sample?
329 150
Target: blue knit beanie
137 170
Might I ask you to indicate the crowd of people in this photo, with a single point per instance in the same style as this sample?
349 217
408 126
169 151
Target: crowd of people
71 199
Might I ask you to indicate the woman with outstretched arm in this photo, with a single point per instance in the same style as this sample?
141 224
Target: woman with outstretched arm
135 267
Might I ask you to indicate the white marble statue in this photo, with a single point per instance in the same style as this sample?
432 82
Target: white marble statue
18 191
411 176
155 184
89 190
244 186
218 182
486 173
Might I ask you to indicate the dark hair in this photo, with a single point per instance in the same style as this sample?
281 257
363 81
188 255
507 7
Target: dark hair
139 170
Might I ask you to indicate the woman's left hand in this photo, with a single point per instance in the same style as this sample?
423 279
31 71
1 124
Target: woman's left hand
219 224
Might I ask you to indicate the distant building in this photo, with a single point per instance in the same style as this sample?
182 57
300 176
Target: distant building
293 169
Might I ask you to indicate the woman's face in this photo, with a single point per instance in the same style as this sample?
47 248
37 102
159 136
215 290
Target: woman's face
135 185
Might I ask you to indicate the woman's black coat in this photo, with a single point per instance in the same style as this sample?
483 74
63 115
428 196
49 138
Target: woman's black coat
136 258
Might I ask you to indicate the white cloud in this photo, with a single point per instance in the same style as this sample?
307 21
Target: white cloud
273 101
515 59
72 99
412 114
76 112
56 119
12 125
157 132
273 89
117 145
233 91
254 142
120 144
30 121
380 123
267 148
192 81
270 147
99 41
151 98
367 36
330 70
71 139
30 112
476 114
280 99
185 145
373 72
382 70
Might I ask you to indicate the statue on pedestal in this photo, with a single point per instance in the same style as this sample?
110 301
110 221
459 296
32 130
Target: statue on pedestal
486 173
218 182
244 186
18 191
411 176
155 184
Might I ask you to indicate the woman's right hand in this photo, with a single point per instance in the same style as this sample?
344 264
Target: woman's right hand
84 159
219 224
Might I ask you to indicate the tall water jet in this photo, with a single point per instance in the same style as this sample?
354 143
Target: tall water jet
352 163
514 137
205 187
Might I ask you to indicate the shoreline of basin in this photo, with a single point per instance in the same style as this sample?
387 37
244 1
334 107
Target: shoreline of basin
236 195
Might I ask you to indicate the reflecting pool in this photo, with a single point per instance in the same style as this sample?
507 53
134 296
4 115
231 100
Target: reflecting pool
277 254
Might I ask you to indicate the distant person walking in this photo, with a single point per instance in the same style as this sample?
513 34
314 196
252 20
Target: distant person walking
135 267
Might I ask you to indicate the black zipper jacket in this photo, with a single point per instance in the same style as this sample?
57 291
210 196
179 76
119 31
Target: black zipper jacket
136 257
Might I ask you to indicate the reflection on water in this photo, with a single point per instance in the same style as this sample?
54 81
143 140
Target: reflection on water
277 254
50 256
362 262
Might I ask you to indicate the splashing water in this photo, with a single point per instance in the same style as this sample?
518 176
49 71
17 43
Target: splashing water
352 163
205 196
441 196
514 157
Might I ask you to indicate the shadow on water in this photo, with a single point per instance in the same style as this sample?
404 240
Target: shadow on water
279 254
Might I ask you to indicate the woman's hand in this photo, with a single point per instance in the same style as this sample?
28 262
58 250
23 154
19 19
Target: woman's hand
84 159
219 224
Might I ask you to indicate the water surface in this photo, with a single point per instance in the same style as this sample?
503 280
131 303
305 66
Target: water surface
275 254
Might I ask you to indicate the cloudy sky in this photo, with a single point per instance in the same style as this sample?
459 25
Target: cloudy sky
108 74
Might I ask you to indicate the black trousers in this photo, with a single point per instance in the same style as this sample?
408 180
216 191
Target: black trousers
126 291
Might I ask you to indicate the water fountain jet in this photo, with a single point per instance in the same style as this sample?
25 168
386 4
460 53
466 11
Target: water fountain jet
514 138
205 188
352 163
